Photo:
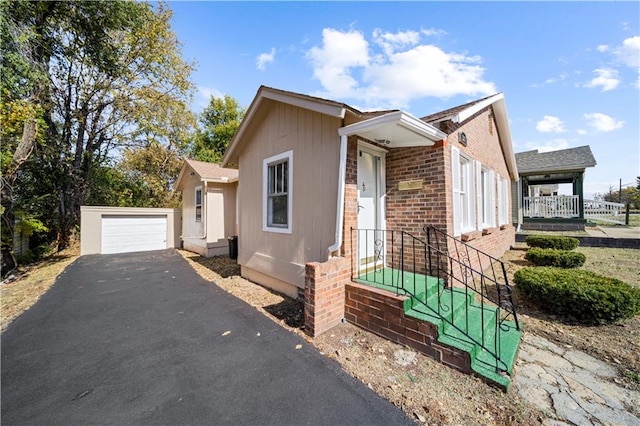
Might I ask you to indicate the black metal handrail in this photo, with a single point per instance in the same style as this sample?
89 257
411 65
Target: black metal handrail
392 258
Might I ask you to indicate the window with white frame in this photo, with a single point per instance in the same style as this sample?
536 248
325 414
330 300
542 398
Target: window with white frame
488 198
463 193
198 204
277 186
503 201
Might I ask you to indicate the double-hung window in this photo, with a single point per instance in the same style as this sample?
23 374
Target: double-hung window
488 198
463 193
277 191
198 204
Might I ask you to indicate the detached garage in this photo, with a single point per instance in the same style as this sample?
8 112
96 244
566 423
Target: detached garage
105 230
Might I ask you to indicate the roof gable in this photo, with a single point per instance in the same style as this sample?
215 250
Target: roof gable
562 160
208 172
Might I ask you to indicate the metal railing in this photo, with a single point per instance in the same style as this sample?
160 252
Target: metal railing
551 206
606 211
403 262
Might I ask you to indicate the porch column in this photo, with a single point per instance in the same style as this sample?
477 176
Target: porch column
578 190
324 294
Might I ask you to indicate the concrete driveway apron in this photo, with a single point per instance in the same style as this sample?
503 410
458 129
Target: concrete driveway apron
140 338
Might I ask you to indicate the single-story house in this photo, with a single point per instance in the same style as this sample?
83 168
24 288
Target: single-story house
312 169
208 207
384 219
537 204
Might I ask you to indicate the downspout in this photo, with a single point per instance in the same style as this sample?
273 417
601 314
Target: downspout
340 202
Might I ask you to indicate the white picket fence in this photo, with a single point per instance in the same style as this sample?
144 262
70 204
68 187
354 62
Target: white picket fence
604 211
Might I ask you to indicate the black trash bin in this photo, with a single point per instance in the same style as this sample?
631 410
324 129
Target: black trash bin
233 247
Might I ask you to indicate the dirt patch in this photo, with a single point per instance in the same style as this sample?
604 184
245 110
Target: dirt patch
30 282
617 344
429 392
225 272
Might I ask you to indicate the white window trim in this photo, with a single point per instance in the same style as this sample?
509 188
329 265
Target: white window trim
196 205
486 198
288 155
456 169
503 205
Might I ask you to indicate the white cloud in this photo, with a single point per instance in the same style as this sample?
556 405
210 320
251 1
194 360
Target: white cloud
433 32
581 132
548 146
348 66
390 42
332 63
628 52
607 78
265 58
550 124
203 96
602 48
603 122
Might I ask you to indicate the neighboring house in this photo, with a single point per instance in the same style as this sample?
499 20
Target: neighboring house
331 198
208 207
537 205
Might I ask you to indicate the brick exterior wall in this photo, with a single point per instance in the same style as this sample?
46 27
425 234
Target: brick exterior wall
483 145
324 294
408 210
382 313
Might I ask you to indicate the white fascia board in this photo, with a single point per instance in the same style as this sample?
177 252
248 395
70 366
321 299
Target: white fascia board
400 118
220 180
502 121
468 112
410 122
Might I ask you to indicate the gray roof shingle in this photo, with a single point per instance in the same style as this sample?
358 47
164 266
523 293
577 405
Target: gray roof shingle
563 160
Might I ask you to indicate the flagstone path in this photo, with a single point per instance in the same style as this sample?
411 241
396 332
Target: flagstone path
572 387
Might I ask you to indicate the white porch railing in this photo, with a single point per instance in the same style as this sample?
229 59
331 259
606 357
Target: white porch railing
551 206
604 211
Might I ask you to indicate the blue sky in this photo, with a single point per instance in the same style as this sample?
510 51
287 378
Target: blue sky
570 71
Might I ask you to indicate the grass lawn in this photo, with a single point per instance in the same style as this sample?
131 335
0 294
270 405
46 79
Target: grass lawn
623 264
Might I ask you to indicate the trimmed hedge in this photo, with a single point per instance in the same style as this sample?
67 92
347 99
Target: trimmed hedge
554 257
586 297
552 242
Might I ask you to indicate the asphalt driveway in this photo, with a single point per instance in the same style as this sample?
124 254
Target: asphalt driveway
142 339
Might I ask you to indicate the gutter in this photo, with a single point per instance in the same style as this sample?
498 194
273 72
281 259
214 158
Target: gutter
340 202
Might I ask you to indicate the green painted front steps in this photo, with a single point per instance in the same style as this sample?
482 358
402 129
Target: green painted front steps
460 318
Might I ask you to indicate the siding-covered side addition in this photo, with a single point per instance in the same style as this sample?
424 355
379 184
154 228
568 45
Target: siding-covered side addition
277 260
218 216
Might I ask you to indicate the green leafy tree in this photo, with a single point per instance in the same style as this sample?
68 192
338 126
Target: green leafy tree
629 195
101 78
219 122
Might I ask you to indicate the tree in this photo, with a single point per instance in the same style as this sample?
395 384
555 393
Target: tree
102 77
629 195
219 121
157 167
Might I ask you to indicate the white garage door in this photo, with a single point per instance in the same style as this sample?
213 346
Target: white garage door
123 234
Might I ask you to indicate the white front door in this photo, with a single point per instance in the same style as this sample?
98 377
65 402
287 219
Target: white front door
370 211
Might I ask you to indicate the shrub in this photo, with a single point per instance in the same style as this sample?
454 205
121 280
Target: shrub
552 242
586 297
554 257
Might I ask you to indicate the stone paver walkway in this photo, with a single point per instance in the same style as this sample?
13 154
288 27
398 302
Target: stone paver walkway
572 387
